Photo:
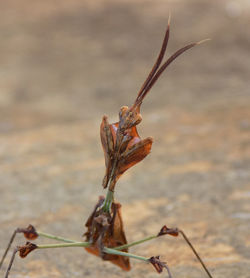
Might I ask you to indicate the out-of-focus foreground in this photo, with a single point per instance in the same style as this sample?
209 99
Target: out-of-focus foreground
66 63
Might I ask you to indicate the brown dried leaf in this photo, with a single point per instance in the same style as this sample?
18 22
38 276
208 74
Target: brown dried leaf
111 235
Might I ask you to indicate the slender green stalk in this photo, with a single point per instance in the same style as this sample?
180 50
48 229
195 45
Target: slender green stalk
124 254
61 245
108 201
86 244
110 194
134 243
115 248
55 237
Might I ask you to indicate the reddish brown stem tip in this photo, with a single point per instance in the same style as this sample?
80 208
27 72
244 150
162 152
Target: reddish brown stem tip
26 249
159 265
29 232
168 231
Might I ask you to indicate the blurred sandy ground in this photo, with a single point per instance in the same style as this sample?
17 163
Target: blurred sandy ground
66 63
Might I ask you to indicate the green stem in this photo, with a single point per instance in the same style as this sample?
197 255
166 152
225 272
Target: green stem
86 244
108 201
61 245
110 194
121 247
55 237
124 254
134 243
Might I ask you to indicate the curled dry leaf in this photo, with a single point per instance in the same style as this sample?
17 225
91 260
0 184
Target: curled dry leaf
106 229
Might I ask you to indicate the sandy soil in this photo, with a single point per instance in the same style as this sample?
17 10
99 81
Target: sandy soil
66 63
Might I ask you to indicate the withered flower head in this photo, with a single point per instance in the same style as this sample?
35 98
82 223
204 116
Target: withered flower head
30 232
26 249
167 231
158 265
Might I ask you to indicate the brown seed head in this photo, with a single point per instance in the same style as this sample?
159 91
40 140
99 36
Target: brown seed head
30 232
157 264
26 249
167 231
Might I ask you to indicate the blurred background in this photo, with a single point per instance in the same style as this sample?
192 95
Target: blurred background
66 63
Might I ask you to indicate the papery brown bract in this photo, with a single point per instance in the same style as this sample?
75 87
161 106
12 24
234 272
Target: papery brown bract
26 249
120 156
106 229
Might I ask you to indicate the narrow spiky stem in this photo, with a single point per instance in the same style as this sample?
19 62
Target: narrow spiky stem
195 252
11 262
156 65
156 71
165 65
8 247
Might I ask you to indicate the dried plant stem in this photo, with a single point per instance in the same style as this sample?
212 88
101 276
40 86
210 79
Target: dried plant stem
195 252
11 262
8 247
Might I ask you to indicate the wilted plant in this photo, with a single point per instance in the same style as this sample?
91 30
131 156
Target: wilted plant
123 148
